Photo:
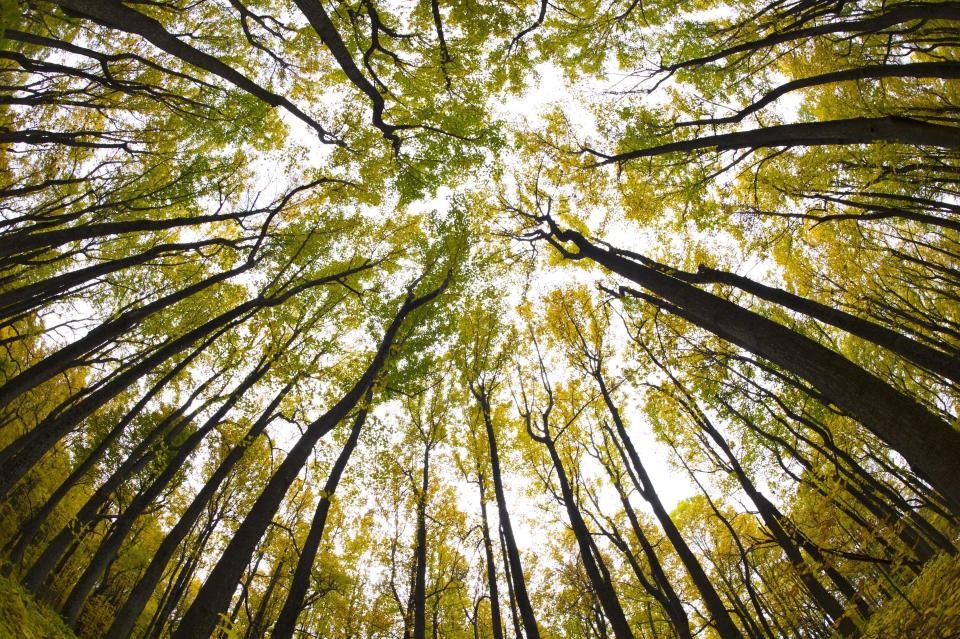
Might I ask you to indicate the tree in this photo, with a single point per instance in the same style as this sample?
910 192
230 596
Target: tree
640 318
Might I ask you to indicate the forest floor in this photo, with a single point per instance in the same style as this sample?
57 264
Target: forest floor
930 610
22 617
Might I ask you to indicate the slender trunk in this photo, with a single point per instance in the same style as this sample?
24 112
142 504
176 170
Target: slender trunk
31 296
755 600
514 615
124 523
495 619
253 629
143 453
317 16
70 355
178 584
852 485
665 593
115 15
29 529
774 520
722 621
213 597
293 605
893 15
127 616
33 445
786 535
928 444
592 560
420 552
22 242
513 553
945 70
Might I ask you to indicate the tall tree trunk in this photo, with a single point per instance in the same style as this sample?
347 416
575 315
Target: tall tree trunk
514 614
30 528
920 354
293 605
419 595
661 588
169 427
589 557
124 523
254 627
897 129
495 619
777 524
722 621
213 597
21 455
71 355
116 15
32 296
513 553
127 616
929 444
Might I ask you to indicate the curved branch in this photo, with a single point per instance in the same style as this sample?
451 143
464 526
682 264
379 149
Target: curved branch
114 15
833 132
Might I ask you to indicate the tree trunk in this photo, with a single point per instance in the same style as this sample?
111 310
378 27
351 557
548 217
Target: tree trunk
127 616
115 15
31 296
122 525
71 355
513 553
293 605
134 462
896 129
599 580
213 597
928 444
29 529
495 619
722 621
33 445
920 354
419 594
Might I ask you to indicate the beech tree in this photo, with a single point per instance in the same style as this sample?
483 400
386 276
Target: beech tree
542 319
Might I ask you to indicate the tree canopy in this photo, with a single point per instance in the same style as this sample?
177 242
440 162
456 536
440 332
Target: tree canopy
618 319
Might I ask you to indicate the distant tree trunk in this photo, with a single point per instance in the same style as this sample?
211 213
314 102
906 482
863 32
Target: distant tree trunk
178 586
420 551
722 621
929 444
661 588
254 628
777 524
513 553
495 619
214 596
127 616
32 296
591 559
30 528
21 455
70 355
514 615
293 605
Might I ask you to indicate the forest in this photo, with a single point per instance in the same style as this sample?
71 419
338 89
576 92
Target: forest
444 319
